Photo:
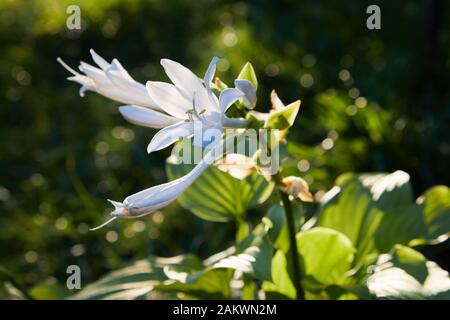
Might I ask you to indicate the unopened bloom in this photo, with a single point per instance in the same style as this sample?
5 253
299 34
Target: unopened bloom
157 197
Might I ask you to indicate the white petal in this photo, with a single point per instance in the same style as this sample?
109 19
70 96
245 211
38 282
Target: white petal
209 75
102 63
117 85
116 66
183 78
146 117
121 81
94 73
83 80
167 97
228 97
188 84
165 137
249 92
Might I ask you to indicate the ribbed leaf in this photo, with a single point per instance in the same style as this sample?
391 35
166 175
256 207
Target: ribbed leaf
377 211
406 274
217 196
132 282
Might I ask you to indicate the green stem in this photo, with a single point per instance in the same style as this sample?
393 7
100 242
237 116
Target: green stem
234 122
293 244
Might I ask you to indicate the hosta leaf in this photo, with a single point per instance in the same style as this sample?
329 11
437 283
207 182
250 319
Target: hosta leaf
325 255
406 274
211 278
217 196
132 282
207 284
435 204
377 211
281 286
252 255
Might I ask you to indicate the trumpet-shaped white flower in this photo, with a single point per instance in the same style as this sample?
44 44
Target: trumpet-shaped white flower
110 80
157 197
186 107
191 101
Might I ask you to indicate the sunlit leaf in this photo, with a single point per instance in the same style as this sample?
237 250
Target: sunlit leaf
208 284
281 286
252 255
326 255
406 274
217 196
377 211
132 282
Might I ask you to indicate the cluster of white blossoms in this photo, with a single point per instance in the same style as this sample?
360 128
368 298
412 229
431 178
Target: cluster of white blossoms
186 108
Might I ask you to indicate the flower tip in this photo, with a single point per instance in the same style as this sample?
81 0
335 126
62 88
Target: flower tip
103 224
123 109
66 66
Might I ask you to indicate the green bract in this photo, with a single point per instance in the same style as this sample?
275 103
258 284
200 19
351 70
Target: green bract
248 73
284 118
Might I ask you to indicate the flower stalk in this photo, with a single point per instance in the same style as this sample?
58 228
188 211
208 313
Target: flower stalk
234 122
300 295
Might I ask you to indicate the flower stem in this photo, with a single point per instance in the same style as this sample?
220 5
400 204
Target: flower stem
293 244
234 122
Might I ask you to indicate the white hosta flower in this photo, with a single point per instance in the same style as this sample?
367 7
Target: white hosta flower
157 197
110 80
186 107
192 102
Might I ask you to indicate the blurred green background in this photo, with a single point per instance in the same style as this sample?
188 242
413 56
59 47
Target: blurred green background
371 101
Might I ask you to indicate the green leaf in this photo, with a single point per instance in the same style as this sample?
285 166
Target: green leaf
377 211
406 274
436 212
52 291
252 255
356 206
248 73
326 256
281 286
217 196
208 284
133 282
211 278
284 118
